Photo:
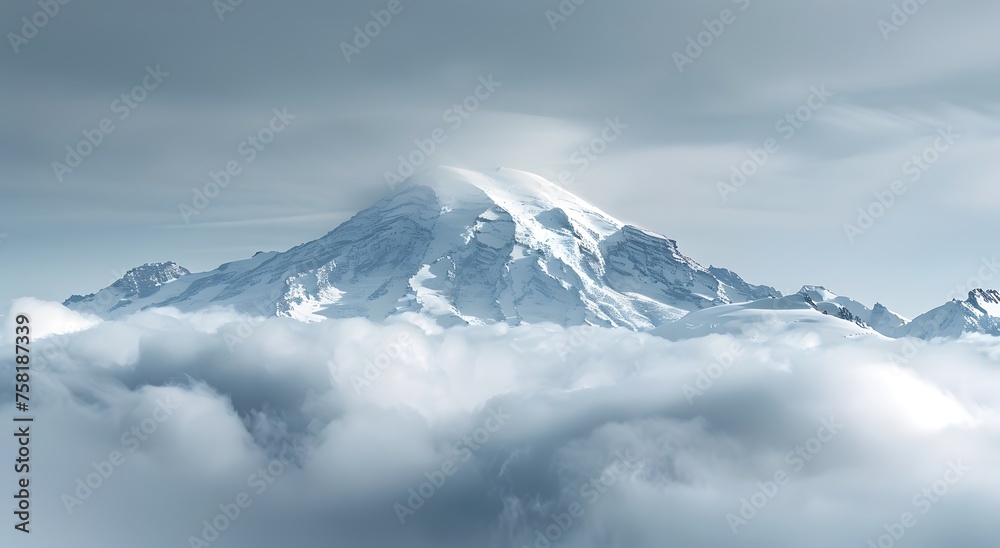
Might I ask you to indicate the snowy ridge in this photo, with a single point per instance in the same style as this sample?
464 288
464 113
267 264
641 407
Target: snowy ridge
138 283
879 318
980 313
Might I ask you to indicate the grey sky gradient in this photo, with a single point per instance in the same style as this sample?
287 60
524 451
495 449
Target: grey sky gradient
685 130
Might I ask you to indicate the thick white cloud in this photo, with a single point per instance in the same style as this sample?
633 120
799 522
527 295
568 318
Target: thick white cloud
324 428
46 318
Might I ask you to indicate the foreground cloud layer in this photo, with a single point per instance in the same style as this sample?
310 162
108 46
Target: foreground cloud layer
214 429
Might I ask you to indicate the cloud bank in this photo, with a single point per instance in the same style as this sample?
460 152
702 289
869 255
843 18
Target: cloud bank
214 429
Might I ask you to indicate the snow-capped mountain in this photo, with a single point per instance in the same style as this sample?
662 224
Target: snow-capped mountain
980 313
463 246
879 317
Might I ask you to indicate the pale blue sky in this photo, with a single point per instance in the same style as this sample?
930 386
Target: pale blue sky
785 226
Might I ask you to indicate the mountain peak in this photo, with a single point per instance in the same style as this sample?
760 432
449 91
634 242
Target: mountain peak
984 296
138 283
980 313
144 280
987 302
167 268
818 293
509 189
879 318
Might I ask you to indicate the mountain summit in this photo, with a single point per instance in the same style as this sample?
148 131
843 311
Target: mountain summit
879 317
138 283
463 246
980 313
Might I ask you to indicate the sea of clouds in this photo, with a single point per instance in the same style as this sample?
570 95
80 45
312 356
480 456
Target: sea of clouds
215 429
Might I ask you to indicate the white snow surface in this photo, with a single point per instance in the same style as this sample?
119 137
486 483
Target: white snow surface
879 317
765 319
980 313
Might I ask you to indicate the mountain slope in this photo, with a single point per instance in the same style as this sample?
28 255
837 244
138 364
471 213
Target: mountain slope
465 247
137 284
765 318
980 313
879 318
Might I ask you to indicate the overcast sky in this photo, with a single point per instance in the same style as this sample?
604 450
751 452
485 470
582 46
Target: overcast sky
221 74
